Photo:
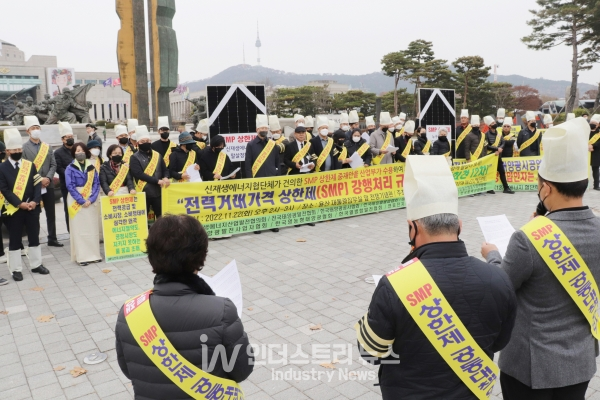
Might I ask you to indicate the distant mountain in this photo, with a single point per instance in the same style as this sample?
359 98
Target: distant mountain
375 82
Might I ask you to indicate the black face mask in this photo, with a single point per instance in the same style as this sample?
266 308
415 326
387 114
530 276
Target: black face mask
217 150
189 146
423 136
541 208
384 130
414 239
593 127
475 129
165 135
371 131
341 141
146 147
70 142
263 134
443 138
123 140
117 159
493 127
16 156
532 125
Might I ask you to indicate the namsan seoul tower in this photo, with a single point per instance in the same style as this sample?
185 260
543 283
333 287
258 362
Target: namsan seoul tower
257 44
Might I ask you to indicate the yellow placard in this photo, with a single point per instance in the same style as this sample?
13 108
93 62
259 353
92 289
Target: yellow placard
125 226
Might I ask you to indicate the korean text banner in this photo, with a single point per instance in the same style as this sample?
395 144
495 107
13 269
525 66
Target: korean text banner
521 173
125 226
238 206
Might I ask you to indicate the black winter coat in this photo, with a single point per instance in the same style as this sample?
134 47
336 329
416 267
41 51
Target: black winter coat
460 150
138 163
534 148
208 162
400 142
353 147
491 136
108 175
63 160
177 161
595 161
482 297
419 146
509 145
185 309
440 147
270 167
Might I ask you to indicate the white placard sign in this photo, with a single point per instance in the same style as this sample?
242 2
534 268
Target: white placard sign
432 131
235 145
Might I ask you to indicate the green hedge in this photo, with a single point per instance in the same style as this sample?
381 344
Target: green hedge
578 113
110 125
100 123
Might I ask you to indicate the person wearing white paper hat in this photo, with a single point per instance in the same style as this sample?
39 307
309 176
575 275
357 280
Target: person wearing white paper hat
548 121
478 293
500 115
404 142
299 120
275 134
461 133
131 125
46 167
509 138
400 120
475 141
149 170
124 142
370 123
354 122
495 144
570 116
63 158
323 146
529 139
552 349
309 124
381 139
201 134
344 123
21 207
594 148
262 154
164 146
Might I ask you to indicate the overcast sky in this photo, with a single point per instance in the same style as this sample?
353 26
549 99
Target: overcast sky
311 36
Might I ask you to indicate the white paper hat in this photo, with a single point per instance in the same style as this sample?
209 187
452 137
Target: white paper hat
336 125
501 113
570 116
274 123
395 120
64 129
464 113
565 152
384 118
120 130
429 187
331 126
31 120
344 119
12 139
595 118
322 120
370 120
133 137
475 120
141 132
402 117
132 124
203 126
353 117
163 122
530 116
508 121
262 121
309 122
298 117
547 119
409 127
488 120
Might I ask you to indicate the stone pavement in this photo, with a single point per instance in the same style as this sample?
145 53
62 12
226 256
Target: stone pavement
288 286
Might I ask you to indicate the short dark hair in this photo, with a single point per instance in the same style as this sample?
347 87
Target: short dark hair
112 148
572 190
91 126
164 128
177 244
83 147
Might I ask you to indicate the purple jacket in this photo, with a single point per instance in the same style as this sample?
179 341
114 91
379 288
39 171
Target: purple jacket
75 177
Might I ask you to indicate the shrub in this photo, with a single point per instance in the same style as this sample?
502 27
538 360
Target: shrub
100 123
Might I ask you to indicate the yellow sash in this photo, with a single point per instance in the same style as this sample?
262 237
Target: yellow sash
86 192
324 154
530 141
190 160
400 132
20 185
407 148
427 147
496 142
41 156
567 265
386 143
280 140
594 138
150 169
201 145
363 149
127 155
220 163
344 154
300 155
463 135
120 178
168 153
262 157
97 164
148 334
509 136
479 149
448 153
430 310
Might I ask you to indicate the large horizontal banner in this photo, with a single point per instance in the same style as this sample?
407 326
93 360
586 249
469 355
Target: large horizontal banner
238 206
521 173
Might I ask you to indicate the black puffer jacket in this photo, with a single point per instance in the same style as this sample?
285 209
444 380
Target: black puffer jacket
108 175
482 297
440 147
185 311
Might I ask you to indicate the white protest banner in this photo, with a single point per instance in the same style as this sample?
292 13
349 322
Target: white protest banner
433 131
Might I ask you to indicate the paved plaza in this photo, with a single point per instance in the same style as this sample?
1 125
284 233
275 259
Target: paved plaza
289 286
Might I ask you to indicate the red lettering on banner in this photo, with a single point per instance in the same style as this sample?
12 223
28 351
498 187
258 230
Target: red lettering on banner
540 233
229 139
419 295
399 181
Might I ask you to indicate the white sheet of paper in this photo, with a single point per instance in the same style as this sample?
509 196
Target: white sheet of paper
305 167
44 190
366 136
194 175
356 161
231 174
391 149
227 283
376 279
496 230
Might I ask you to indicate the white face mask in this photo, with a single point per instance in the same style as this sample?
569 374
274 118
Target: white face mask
345 128
356 139
35 134
500 120
324 132
392 128
300 124
276 136
95 152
